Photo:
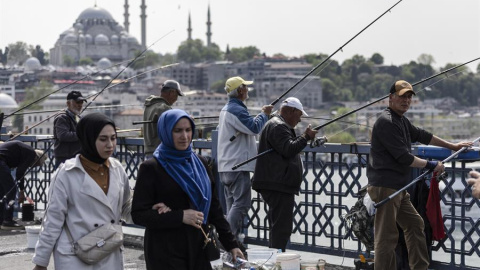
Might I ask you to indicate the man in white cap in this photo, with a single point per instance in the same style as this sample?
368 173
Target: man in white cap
154 107
236 143
389 170
278 174
15 154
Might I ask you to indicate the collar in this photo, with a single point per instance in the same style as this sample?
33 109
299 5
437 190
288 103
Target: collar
283 120
92 165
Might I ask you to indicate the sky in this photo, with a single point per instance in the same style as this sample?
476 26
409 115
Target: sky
449 30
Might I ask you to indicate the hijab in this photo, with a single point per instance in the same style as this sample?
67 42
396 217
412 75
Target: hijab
183 166
88 129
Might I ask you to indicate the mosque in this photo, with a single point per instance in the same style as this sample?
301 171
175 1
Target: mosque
95 34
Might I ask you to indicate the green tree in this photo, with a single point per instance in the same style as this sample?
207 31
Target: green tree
86 61
150 59
377 59
426 59
18 53
68 61
32 94
243 54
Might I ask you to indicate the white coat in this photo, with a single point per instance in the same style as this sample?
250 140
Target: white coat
75 198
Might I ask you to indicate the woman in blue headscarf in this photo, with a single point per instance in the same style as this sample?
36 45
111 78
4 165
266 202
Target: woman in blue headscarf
178 177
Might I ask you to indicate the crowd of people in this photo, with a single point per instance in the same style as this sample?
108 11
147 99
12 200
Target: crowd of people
174 196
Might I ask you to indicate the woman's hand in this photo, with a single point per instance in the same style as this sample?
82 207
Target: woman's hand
38 267
236 252
474 181
161 208
193 218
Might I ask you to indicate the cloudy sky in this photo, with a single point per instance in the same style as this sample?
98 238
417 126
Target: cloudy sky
449 30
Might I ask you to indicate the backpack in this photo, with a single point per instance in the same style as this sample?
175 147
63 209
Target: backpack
360 221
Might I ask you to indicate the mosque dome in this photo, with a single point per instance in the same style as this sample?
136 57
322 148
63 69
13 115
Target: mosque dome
70 38
132 40
7 102
78 26
32 64
95 13
88 39
114 39
101 39
104 63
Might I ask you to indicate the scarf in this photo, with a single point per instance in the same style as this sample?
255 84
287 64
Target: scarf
184 166
88 129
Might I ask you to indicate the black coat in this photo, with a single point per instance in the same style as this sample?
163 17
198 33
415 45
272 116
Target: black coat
169 243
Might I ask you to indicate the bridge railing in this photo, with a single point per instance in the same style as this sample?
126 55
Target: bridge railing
333 174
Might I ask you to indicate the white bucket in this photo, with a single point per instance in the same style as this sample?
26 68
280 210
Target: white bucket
289 261
32 235
261 256
313 265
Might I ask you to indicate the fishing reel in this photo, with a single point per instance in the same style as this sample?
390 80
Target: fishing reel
443 176
318 141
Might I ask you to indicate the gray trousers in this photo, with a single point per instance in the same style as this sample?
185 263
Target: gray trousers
238 197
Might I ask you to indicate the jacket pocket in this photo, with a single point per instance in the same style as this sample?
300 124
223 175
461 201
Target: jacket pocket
65 249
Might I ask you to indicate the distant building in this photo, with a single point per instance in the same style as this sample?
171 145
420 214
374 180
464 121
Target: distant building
94 34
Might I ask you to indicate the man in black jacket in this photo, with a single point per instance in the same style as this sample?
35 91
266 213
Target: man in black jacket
65 129
278 175
15 154
389 170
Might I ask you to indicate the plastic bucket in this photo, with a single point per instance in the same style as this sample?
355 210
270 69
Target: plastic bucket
313 265
32 235
260 256
289 261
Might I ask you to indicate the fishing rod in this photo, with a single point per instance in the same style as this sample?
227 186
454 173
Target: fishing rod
91 108
376 205
111 86
151 121
321 63
68 85
128 65
322 140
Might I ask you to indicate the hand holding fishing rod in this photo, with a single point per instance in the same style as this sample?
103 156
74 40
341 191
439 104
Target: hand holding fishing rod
431 167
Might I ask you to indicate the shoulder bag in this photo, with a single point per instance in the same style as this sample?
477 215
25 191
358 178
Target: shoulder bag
97 244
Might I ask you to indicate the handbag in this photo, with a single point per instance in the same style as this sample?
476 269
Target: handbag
98 243
211 244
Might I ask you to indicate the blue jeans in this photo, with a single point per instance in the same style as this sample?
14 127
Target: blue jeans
238 197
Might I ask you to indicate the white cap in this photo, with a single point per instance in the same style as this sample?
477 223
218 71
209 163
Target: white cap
295 103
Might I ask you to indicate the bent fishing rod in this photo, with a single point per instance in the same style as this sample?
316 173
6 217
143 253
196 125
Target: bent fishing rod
325 60
128 65
61 88
376 205
321 140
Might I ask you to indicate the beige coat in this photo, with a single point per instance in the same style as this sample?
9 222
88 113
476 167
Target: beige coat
75 198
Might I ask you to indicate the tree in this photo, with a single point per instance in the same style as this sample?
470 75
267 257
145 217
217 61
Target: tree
18 53
68 61
193 51
377 59
31 95
243 54
426 59
87 61
3 56
39 54
150 59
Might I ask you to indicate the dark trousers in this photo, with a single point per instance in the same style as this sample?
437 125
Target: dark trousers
6 184
280 217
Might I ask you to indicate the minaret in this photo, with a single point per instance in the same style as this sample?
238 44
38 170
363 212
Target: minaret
209 32
126 24
143 18
189 29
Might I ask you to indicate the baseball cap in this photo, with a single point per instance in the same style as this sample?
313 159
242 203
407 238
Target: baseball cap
171 84
75 95
401 87
295 103
234 82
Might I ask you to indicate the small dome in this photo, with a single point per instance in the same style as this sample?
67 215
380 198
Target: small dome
94 13
7 102
70 38
118 28
114 39
69 31
101 39
104 63
88 39
132 40
78 26
32 64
